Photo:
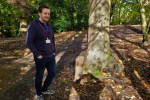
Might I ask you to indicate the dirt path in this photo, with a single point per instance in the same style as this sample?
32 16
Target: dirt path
18 73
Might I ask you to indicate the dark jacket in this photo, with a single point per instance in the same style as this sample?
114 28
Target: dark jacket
36 39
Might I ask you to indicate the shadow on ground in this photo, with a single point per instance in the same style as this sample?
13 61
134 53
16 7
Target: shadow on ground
133 66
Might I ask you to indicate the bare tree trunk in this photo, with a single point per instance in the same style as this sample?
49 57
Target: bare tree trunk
125 19
98 57
22 5
144 24
111 19
1 24
133 18
113 6
148 26
23 26
119 17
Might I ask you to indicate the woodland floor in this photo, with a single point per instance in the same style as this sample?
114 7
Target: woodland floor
17 72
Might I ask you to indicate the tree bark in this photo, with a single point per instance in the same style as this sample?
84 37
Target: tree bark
119 17
148 26
23 26
98 57
22 5
113 6
144 24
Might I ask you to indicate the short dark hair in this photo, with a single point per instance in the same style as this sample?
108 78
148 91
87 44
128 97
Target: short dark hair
42 7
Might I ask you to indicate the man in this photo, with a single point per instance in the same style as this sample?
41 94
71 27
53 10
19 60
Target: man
40 41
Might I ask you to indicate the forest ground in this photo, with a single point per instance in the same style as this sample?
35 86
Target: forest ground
17 68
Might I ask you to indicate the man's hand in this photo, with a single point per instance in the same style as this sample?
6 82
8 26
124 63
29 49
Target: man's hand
53 53
40 57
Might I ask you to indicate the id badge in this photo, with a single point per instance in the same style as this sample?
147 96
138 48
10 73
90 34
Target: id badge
48 41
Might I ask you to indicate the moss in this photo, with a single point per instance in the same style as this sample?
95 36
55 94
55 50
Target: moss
96 72
109 55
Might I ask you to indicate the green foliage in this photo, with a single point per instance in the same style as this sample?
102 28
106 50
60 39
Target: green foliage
96 72
8 18
66 15
129 13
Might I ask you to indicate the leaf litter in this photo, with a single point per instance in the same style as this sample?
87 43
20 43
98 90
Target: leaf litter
133 83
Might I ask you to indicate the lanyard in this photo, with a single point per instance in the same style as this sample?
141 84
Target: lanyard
44 30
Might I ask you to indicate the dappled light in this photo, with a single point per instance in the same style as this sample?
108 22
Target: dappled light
24 69
98 38
142 81
133 58
125 51
102 49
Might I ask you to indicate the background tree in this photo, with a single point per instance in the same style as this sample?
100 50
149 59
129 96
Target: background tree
113 6
22 6
144 23
8 16
66 15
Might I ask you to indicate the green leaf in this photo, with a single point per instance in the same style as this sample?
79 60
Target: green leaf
64 81
88 78
9 82
2 11
62 72
67 89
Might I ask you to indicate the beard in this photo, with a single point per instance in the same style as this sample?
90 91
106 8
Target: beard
44 19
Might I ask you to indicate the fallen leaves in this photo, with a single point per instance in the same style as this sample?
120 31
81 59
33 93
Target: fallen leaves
122 43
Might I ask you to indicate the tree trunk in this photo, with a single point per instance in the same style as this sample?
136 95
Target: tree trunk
133 18
148 26
119 17
111 19
22 5
98 57
113 6
144 24
125 19
23 26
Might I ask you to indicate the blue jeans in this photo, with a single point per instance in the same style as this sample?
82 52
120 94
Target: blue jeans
41 64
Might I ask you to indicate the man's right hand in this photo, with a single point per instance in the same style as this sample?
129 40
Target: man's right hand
40 57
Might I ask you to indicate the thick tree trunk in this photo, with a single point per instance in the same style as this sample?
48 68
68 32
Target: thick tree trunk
144 24
98 57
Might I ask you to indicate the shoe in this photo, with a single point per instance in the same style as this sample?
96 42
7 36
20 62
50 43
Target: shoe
49 92
39 97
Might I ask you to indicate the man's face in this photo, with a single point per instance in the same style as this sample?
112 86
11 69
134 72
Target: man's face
44 15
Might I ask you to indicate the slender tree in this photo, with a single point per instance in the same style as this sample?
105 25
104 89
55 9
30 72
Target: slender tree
113 6
144 23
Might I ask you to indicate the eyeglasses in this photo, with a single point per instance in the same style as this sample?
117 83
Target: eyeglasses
47 29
